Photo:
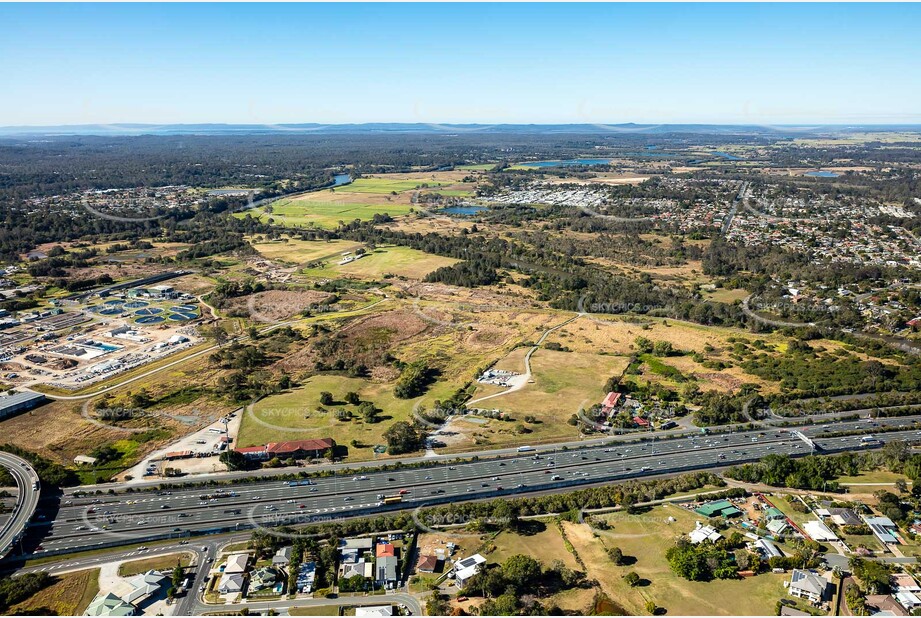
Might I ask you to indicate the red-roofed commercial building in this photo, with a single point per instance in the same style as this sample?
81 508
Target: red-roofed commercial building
292 449
254 452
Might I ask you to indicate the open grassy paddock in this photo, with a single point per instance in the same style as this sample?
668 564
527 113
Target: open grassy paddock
563 382
397 261
69 595
646 537
541 540
298 415
297 251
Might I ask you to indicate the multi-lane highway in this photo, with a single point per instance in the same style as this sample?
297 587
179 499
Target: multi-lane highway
90 521
29 490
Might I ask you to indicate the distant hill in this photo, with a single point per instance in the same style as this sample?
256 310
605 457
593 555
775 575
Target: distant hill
421 128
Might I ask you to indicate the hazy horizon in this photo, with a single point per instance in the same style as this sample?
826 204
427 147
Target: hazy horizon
76 64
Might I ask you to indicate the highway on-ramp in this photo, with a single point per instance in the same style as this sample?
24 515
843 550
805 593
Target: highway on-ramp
29 490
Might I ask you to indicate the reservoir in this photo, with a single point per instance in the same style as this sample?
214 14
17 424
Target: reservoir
566 163
822 174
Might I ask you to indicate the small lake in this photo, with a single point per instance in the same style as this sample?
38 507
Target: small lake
463 210
341 179
566 163
822 174
726 156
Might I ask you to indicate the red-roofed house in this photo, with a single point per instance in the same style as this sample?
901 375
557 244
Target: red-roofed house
610 402
383 550
640 422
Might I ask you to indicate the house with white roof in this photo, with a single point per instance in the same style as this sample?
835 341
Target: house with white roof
236 563
374 610
704 533
467 568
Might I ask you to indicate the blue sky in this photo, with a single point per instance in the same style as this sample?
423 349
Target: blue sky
486 63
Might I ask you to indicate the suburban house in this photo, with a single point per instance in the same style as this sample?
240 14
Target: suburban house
236 563
906 591
385 550
704 533
844 517
808 585
884 605
362 543
818 531
374 610
609 403
386 568
768 549
467 568
427 564
263 578
306 574
362 567
231 583
777 526
282 557
883 529
292 449
773 513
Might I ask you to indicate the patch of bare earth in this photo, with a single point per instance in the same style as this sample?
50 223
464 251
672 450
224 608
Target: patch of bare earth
274 305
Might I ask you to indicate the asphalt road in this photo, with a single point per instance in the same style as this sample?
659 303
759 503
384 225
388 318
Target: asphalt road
26 502
87 522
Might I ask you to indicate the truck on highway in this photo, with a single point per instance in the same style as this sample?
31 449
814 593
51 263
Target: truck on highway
392 500
525 449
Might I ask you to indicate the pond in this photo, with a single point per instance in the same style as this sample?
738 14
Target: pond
463 210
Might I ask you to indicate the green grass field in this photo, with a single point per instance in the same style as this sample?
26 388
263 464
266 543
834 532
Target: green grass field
327 215
646 537
297 414
477 167
385 185
399 261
